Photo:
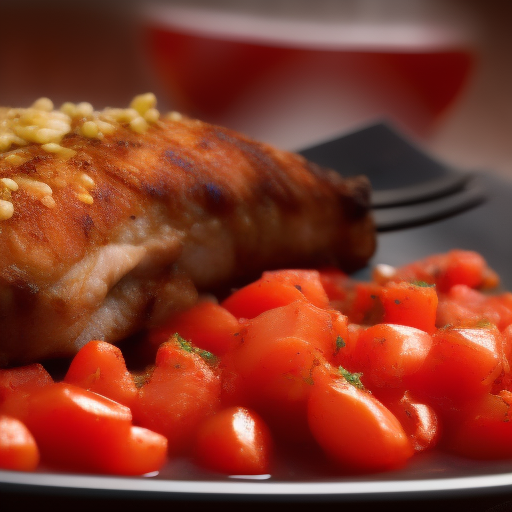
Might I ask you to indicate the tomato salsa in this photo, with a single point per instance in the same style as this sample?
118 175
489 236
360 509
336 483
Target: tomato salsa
369 373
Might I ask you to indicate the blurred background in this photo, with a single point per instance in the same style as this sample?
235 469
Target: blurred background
292 73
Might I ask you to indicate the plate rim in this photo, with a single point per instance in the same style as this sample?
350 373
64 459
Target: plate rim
415 488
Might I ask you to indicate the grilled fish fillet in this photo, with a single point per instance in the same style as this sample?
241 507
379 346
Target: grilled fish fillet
105 236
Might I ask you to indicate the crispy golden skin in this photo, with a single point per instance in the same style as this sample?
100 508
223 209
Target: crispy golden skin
137 224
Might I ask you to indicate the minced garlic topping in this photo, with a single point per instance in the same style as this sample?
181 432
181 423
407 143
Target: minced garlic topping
42 124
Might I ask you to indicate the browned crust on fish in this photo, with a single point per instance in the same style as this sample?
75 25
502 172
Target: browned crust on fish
234 206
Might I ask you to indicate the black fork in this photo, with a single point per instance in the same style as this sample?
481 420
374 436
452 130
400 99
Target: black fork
409 187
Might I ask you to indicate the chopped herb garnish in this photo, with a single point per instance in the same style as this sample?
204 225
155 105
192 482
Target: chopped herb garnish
143 377
424 284
183 343
189 347
484 323
309 379
351 378
340 343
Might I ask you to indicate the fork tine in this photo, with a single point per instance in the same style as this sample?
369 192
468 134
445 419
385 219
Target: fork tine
429 190
411 215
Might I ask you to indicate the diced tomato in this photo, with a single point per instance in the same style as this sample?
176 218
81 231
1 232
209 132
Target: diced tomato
17 384
354 428
235 441
358 300
504 380
183 389
100 367
76 429
22 378
502 303
336 284
277 354
306 281
367 372
483 429
18 449
365 306
389 355
207 325
418 419
275 289
64 413
409 304
507 347
445 270
320 327
275 378
462 364
139 452
468 268
465 307
255 298
233 392
346 346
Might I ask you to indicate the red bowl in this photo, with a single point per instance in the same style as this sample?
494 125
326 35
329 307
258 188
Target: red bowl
293 81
